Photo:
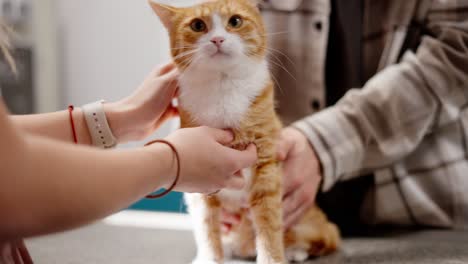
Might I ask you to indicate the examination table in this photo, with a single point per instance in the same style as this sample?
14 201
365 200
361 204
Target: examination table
103 243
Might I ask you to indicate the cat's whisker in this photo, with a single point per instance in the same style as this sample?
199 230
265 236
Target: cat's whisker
280 64
184 54
188 62
184 47
281 53
275 33
277 61
271 71
266 35
277 83
284 68
271 51
273 56
181 56
195 60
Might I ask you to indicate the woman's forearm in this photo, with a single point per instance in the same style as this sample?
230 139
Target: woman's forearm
56 126
81 185
131 118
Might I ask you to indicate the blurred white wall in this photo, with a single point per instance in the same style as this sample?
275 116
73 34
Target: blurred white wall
107 47
46 59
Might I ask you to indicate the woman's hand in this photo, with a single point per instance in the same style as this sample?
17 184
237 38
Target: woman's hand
137 116
207 165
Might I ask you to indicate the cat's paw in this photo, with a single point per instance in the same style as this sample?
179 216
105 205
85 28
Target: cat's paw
327 243
297 255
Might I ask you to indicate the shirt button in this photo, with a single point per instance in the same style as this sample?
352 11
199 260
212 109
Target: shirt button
318 26
315 104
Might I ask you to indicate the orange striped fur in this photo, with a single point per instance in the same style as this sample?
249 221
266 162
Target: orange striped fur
262 235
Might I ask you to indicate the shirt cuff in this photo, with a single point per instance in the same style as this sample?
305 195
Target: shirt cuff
336 143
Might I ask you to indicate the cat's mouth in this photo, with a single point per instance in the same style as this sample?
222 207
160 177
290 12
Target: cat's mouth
219 53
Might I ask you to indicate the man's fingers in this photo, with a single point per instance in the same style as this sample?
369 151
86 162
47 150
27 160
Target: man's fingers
282 150
226 228
295 216
292 202
293 178
284 146
229 218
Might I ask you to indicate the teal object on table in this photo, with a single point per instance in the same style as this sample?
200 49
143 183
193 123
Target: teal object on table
173 202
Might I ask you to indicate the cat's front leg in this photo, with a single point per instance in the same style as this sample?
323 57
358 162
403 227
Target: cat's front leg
205 214
265 202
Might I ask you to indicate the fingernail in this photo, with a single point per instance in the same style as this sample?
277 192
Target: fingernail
230 132
252 146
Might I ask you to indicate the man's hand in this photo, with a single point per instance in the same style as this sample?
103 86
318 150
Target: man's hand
301 178
301 175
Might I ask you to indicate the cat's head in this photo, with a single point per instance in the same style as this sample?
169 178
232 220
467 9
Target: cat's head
214 35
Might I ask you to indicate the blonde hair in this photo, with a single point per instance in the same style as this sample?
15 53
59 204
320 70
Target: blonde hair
6 45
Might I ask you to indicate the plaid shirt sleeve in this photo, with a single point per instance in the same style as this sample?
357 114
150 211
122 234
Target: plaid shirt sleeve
380 124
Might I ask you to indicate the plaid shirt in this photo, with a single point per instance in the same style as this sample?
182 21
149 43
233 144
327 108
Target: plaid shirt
409 123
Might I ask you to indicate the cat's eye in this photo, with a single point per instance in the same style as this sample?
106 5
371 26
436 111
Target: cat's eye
235 21
198 25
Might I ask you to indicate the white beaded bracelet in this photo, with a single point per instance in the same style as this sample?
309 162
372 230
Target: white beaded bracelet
98 126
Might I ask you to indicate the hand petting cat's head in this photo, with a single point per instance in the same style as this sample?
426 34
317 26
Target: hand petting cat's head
214 35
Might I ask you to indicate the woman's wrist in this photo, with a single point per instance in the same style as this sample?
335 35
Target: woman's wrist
163 157
81 129
121 121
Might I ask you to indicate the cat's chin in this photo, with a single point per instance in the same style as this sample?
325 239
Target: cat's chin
219 64
220 54
223 61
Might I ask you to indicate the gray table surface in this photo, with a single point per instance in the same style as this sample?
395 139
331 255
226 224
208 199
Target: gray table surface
101 243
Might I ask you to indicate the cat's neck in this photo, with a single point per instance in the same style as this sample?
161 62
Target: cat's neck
222 99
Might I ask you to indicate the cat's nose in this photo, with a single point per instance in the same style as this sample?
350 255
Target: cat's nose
218 41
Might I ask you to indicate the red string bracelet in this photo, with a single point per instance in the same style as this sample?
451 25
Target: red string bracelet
24 253
70 111
168 190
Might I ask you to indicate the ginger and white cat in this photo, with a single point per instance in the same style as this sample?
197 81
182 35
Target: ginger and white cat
220 49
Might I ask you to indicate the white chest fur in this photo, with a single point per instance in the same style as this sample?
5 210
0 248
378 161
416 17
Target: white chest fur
221 99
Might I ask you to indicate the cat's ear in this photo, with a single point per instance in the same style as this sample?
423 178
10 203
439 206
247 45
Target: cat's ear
164 12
